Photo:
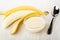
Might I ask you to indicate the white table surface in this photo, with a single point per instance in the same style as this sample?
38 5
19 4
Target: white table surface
44 5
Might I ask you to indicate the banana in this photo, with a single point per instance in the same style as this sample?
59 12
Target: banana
14 26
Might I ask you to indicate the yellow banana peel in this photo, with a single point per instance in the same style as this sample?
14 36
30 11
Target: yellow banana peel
19 9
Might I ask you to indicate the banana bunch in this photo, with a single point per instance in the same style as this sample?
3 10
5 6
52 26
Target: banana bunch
15 19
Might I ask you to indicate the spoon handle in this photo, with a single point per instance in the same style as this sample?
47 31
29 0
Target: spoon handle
50 28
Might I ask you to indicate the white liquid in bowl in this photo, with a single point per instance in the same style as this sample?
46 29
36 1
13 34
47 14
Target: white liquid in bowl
35 24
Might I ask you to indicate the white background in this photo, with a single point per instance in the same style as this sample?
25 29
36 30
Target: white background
44 5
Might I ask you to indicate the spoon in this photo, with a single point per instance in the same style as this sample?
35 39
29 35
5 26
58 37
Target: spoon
55 12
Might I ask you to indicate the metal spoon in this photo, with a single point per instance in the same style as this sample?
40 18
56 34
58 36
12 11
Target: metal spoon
55 12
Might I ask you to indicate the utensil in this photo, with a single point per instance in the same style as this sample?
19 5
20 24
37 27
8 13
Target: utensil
55 12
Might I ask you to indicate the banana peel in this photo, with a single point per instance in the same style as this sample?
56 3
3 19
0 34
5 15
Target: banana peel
19 9
14 28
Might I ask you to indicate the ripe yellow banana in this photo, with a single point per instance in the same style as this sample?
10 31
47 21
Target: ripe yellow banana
14 26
